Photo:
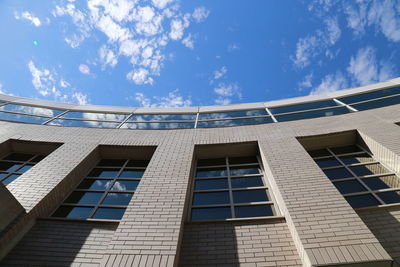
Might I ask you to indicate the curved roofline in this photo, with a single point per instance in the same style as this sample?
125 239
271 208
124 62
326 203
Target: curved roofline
232 107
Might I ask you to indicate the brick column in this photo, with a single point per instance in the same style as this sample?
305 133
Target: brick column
150 232
326 230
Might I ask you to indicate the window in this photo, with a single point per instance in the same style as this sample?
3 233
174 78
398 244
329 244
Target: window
233 118
15 164
230 187
105 192
361 179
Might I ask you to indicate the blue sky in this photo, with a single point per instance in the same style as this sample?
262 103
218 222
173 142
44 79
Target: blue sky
187 53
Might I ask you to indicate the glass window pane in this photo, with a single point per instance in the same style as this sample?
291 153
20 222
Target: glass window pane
313 114
109 213
163 117
237 171
352 186
232 114
243 182
361 158
383 182
94 116
253 211
19 157
157 125
211 172
319 153
38 158
345 149
371 95
390 197
9 166
328 162
131 174
24 168
84 198
3 174
237 122
338 173
31 110
95 184
378 103
211 214
122 185
362 201
306 106
111 162
211 198
242 160
138 163
22 118
72 212
79 123
211 162
117 199
369 169
247 196
10 178
211 184
104 173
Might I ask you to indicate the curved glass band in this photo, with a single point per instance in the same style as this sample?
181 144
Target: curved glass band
23 113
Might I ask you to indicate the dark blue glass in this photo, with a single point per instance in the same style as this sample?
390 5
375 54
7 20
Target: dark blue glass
211 172
243 182
37 158
79 123
371 95
306 106
10 178
95 116
22 118
377 183
25 168
361 158
247 196
9 166
237 122
313 114
109 213
378 103
362 201
72 212
122 185
237 171
338 173
117 199
319 153
232 114
46 112
164 117
131 174
94 184
368 169
352 186
329 162
211 198
104 173
84 198
211 214
390 197
253 211
211 184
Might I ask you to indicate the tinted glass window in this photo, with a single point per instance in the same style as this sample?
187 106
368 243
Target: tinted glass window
379 182
237 122
378 103
329 162
237 171
319 153
211 184
371 95
253 211
117 199
345 149
138 163
352 186
94 184
338 173
19 157
312 114
157 125
232 114
246 182
362 158
94 116
131 174
313 105
242 160
362 201
368 169
31 110
84 198
211 172
104 173
211 213
111 162
211 162
390 197
22 118
211 198
9 166
247 196
72 212
122 185
10 178
109 213
79 123
164 117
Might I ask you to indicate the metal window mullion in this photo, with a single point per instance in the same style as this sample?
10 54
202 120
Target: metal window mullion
375 99
127 118
272 115
55 117
230 189
197 120
105 192
357 177
344 104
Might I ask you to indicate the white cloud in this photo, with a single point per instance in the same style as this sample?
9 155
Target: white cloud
226 92
161 3
330 83
80 98
140 76
200 14
307 82
188 41
107 56
233 47
173 99
83 68
220 73
177 28
364 68
28 16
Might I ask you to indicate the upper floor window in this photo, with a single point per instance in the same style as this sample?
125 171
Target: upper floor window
230 187
356 173
15 164
105 192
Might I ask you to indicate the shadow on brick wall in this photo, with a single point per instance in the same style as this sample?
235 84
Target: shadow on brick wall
61 243
385 225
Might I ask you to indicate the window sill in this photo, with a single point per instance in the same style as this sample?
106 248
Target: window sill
269 218
378 207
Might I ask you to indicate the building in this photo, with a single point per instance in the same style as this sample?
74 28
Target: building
309 181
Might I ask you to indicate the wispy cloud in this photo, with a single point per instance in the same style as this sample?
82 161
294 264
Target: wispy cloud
173 99
52 86
306 82
138 30
233 47
227 91
28 16
331 83
311 46
218 74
